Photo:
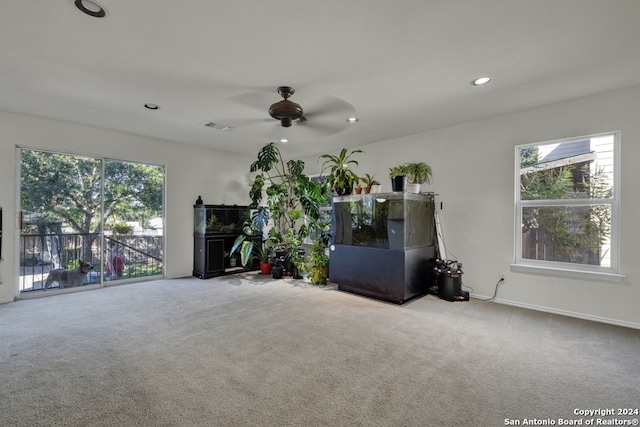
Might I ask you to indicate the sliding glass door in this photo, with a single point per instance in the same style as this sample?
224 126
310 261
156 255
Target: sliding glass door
87 221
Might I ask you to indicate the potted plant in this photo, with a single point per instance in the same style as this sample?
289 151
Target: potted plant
398 175
250 243
291 196
317 262
294 257
233 261
417 173
277 270
368 183
265 256
358 188
340 177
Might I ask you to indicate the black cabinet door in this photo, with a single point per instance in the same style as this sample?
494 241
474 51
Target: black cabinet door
208 256
215 256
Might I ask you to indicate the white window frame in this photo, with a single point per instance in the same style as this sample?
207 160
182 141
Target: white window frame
562 269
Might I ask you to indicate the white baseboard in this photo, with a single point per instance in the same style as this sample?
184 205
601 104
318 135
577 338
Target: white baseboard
566 313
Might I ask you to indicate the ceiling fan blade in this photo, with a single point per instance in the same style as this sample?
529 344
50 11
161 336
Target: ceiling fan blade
256 100
322 127
326 115
329 105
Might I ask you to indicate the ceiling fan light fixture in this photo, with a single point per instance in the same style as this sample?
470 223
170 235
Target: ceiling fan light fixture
285 122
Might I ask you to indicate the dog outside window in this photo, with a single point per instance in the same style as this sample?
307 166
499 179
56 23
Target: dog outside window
69 278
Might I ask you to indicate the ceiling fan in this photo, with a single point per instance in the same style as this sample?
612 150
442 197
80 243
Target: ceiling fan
321 116
286 111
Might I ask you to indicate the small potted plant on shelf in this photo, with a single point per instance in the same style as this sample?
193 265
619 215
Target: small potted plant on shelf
398 175
369 182
417 173
340 177
358 188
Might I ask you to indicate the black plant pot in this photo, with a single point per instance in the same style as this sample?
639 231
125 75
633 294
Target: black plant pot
398 183
295 273
276 271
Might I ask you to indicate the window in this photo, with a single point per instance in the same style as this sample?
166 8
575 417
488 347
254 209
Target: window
567 204
77 208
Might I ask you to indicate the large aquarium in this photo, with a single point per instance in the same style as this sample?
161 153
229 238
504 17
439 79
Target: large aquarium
396 221
383 245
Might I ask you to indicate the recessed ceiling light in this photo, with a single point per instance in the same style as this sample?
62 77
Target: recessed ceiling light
481 81
151 106
284 140
91 8
352 120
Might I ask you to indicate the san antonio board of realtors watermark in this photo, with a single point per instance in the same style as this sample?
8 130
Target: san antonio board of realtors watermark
584 417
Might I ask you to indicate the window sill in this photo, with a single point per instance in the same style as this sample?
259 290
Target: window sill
568 273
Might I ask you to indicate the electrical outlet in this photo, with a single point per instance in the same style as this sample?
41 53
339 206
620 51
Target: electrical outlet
503 277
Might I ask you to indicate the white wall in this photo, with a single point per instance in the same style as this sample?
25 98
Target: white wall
218 176
473 173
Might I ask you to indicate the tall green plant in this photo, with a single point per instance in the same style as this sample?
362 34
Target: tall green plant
291 195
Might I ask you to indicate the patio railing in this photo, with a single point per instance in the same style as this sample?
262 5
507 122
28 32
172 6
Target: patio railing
123 257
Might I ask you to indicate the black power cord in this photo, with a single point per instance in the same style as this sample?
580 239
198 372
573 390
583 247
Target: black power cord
495 293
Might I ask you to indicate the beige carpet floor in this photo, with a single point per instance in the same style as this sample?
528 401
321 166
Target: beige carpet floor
251 351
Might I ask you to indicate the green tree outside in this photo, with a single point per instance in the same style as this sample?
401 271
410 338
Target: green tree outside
573 233
64 187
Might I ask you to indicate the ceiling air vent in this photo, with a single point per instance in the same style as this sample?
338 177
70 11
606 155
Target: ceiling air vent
217 126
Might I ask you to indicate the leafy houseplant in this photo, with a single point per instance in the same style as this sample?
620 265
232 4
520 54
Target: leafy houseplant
292 198
294 257
358 188
340 177
418 173
291 195
250 243
368 182
317 262
265 256
398 175
415 173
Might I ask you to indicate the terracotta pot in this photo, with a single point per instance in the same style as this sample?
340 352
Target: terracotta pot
265 267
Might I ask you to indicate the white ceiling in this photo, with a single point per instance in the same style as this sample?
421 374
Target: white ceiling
403 66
